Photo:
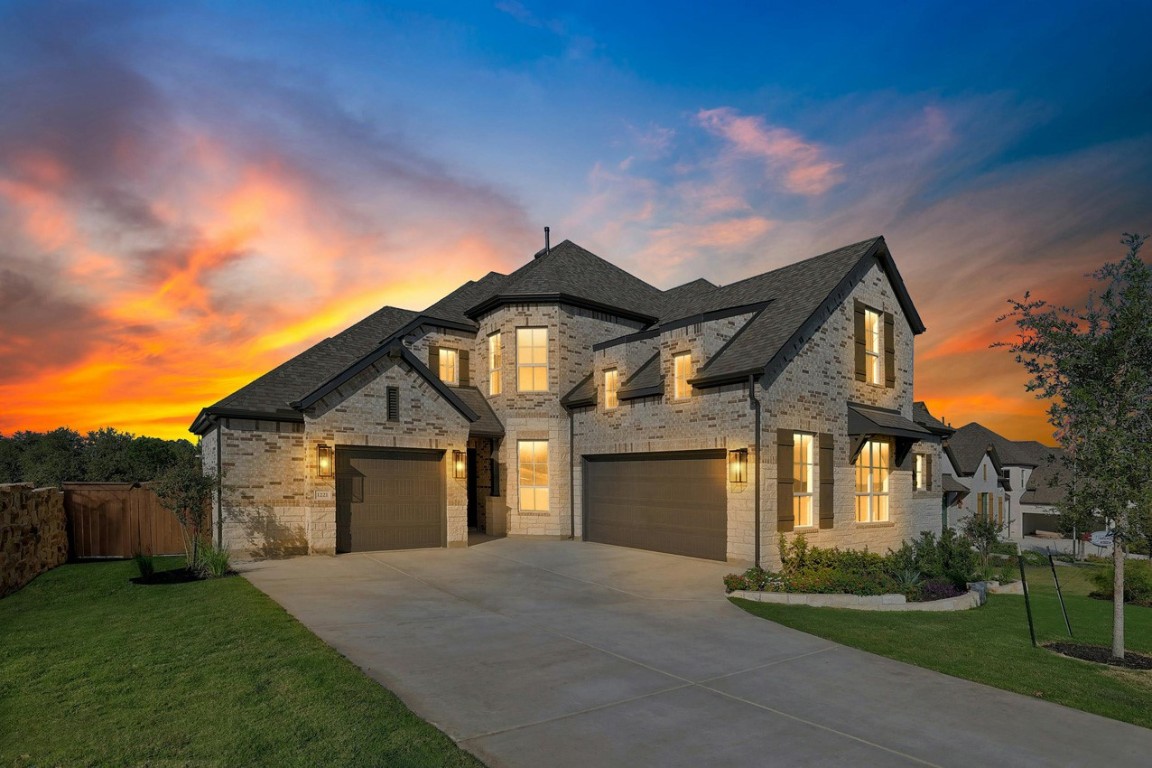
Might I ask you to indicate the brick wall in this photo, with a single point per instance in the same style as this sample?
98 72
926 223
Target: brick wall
33 534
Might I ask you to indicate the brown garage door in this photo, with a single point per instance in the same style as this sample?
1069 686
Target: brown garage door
389 499
667 502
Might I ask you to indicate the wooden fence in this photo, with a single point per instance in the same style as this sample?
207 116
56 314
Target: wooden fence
118 520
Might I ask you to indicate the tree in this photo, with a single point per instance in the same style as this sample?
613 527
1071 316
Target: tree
1094 367
983 531
9 460
50 458
107 457
186 492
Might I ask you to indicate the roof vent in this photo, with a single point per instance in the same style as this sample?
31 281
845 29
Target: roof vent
547 243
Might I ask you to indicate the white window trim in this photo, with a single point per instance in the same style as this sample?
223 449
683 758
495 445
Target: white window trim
809 496
454 355
920 468
871 460
873 347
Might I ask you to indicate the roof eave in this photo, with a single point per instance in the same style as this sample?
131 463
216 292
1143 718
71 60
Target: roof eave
557 298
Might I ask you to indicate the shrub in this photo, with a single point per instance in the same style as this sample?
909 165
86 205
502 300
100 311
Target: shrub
214 562
939 589
949 557
1034 558
984 533
145 564
1137 582
753 579
1005 548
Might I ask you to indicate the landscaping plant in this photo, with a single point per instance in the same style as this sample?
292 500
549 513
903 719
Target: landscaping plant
1137 583
186 492
145 564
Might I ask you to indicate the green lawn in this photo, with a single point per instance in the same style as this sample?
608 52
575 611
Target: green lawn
96 670
990 644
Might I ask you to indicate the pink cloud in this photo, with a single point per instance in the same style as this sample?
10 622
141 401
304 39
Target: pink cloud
805 169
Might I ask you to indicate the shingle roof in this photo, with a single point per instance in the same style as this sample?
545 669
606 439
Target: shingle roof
1045 483
272 392
573 272
865 420
684 300
584 393
453 306
647 381
488 425
794 294
952 485
922 416
970 442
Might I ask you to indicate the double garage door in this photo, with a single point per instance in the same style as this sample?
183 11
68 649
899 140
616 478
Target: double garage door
666 502
389 499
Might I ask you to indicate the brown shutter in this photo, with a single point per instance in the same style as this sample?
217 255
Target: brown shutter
785 520
462 374
889 350
434 359
928 473
827 479
861 341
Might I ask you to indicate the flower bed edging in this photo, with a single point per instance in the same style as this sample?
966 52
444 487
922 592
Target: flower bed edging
862 602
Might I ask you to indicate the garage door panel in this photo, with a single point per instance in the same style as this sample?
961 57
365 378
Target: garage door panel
663 502
388 499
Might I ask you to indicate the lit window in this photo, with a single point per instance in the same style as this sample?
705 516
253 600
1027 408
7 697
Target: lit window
681 370
921 472
495 361
611 380
872 482
803 479
533 460
873 327
449 366
532 359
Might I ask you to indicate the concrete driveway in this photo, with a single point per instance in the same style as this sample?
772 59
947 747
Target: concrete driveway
563 653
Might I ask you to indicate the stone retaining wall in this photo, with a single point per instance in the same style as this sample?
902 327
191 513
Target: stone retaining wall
33 534
972 599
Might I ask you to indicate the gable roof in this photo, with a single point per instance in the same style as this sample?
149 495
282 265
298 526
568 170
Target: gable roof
797 296
971 441
576 276
487 423
454 305
646 382
269 396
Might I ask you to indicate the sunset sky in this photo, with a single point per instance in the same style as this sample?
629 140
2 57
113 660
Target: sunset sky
193 192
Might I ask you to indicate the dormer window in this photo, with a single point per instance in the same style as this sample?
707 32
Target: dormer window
681 372
611 385
449 366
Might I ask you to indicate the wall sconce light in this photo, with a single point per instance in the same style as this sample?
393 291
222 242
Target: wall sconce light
459 465
738 466
325 466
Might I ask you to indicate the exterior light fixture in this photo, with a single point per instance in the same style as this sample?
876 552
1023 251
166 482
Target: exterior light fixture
325 465
738 466
459 465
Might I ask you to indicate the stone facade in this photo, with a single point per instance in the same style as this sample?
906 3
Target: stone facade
33 534
282 505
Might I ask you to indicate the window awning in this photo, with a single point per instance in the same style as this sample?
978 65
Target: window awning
865 422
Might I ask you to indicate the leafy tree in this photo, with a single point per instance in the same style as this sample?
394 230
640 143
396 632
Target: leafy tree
983 531
1094 367
186 492
50 458
9 460
107 457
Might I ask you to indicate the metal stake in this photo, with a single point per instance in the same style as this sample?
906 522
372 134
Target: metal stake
1027 602
1060 594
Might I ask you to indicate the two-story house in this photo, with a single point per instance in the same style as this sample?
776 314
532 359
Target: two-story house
572 399
1014 481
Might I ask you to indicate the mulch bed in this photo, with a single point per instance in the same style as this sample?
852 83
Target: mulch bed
178 576
1101 655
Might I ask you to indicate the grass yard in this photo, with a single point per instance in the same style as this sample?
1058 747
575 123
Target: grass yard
990 644
99 671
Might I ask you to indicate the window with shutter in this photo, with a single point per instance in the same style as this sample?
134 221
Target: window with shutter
827 480
785 520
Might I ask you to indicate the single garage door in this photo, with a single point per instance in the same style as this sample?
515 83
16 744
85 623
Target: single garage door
389 499
667 502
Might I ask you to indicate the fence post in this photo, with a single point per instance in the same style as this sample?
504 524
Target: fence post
1027 601
1060 594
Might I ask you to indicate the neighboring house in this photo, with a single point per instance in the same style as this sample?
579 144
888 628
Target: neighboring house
1014 481
572 399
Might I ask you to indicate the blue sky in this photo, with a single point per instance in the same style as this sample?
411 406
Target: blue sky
183 180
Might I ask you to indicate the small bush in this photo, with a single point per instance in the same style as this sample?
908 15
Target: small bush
1137 582
145 564
948 557
1005 548
939 589
214 562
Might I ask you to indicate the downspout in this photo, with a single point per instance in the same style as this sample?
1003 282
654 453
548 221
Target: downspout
219 488
755 405
571 474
